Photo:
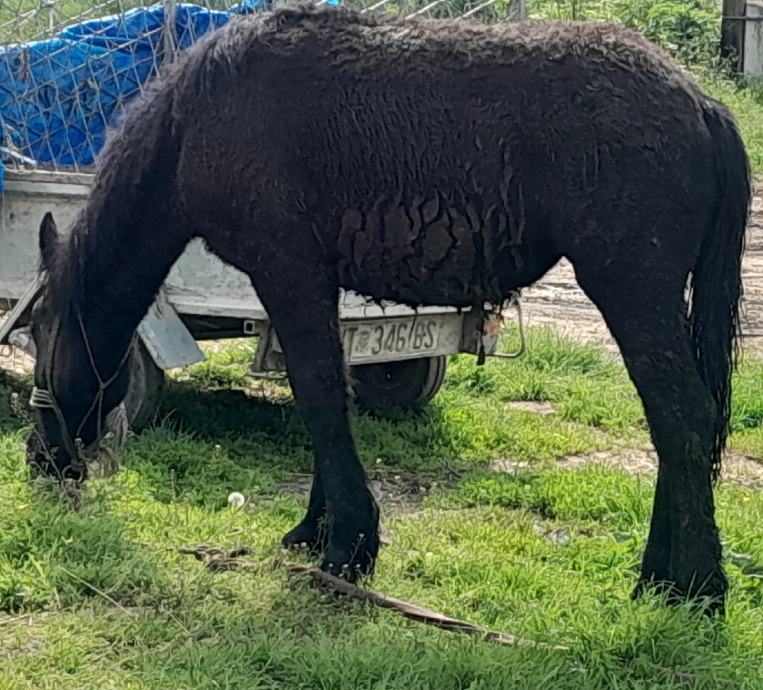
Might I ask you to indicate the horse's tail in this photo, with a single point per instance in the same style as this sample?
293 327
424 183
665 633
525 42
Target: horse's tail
716 279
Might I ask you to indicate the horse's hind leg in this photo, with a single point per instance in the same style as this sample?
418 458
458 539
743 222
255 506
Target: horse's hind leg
646 313
302 302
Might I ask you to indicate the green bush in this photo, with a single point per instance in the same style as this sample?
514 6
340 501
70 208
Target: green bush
688 29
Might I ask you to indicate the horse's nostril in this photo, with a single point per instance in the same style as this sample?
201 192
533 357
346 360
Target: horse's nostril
34 443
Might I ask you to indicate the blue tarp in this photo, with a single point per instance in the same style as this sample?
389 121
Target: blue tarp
58 96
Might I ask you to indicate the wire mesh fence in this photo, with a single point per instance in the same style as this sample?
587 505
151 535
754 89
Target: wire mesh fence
69 67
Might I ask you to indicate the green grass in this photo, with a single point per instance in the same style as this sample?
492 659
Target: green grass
546 553
550 554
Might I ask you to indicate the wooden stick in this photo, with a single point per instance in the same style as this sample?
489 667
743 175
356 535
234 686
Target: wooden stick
220 560
415 613
99 592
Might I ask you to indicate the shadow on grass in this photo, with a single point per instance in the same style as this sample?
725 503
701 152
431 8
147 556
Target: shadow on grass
208 443
211 440
235 417
215 412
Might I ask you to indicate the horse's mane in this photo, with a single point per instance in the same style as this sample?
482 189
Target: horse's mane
122 163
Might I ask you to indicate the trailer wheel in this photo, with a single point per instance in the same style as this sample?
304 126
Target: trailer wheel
409 383
145 390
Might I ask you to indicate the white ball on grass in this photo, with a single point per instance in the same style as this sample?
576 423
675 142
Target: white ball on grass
236 499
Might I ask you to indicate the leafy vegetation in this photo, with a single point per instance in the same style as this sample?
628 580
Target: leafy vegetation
690 29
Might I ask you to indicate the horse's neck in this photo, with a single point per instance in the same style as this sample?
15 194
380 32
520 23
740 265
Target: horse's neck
131 226
121 278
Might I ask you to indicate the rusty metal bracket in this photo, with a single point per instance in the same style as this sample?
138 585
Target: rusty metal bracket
492 318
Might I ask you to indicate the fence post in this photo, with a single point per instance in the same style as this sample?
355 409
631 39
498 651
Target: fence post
169 43
517 10
732 33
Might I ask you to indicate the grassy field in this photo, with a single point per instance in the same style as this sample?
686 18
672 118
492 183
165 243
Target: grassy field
485 523
517 517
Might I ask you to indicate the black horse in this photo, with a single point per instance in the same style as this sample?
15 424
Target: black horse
443 163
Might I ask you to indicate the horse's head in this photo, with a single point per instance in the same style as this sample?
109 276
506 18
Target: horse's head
77 380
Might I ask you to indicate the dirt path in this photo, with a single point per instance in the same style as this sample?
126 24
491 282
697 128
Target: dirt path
557 301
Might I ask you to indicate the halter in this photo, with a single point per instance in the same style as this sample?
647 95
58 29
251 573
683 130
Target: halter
45 399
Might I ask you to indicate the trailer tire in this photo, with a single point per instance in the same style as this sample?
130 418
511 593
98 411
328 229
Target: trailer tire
408 384
145 390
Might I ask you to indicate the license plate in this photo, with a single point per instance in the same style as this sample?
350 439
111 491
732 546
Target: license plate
390 339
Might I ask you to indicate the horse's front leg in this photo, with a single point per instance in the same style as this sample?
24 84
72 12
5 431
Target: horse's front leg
342 519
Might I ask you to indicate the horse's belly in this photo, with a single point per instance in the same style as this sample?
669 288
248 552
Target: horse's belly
427 254
413 281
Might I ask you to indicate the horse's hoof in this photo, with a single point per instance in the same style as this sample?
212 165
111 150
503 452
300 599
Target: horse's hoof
709 598
308 536
354 562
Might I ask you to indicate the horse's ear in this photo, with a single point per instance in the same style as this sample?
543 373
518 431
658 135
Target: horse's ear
48 240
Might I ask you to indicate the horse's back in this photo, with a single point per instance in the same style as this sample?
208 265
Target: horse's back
454 154
375 98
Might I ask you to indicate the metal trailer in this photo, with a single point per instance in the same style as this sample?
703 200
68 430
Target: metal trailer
397 355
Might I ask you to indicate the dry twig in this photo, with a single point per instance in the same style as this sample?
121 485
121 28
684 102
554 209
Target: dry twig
99 592
220 560
416 613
